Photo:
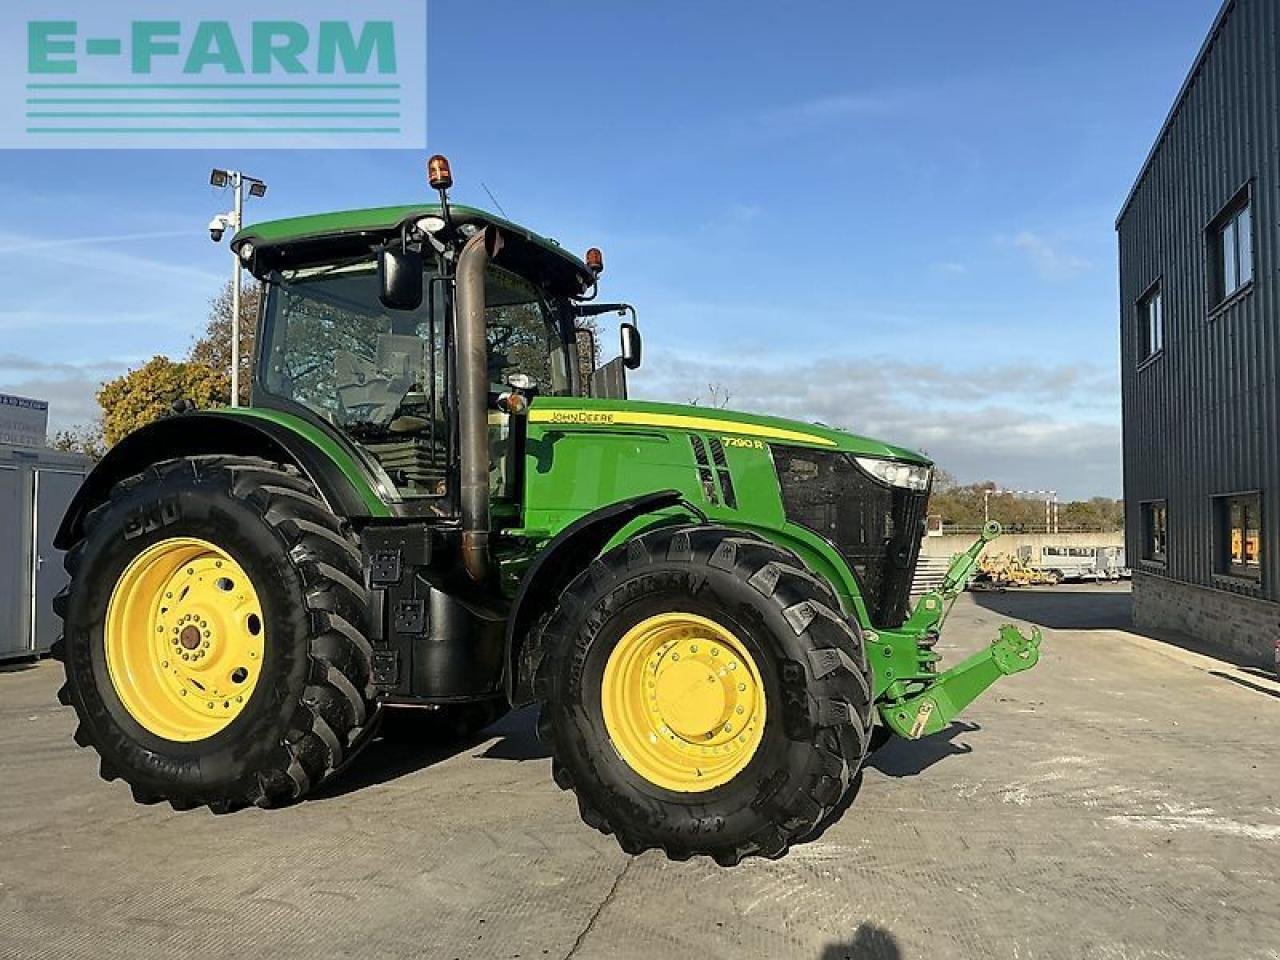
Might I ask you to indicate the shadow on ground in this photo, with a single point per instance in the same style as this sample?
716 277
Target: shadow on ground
387 759
517 737
870 942
1101 608
17 666
909 758
1062 609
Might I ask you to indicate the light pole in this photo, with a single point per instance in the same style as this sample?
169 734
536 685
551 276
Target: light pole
234 220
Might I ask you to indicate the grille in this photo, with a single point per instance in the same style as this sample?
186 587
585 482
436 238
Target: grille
876 527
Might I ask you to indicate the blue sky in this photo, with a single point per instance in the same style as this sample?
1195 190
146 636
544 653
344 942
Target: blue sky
895 218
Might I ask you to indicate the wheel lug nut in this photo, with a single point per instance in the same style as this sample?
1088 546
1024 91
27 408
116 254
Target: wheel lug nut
742 710
742 687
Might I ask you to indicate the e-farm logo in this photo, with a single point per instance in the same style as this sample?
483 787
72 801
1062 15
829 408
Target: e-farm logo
89 73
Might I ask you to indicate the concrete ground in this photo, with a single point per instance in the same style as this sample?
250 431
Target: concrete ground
1122 800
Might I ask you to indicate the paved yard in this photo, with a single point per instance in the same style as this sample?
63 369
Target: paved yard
1120 801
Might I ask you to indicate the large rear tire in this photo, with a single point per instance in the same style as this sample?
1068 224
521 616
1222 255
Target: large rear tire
215 635
743 746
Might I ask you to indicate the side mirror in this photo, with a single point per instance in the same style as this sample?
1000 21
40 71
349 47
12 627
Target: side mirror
632 346
400 276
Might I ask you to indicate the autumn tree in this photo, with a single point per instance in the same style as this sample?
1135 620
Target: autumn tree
588 338
149 393
214 348
963 505
84 439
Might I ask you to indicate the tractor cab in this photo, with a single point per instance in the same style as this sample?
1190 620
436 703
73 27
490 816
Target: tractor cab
356 333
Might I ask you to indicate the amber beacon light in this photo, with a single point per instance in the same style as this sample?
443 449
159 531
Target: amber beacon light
438 173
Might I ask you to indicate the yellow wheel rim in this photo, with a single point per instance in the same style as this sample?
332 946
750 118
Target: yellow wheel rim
683 702
184 639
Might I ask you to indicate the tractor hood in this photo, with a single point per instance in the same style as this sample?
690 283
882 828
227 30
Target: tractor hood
617 414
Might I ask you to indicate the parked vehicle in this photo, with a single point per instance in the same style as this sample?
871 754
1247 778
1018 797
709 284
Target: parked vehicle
1062 563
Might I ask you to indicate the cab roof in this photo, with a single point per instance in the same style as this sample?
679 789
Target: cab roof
316 238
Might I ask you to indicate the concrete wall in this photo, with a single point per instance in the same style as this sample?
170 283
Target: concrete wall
950 544
1239 624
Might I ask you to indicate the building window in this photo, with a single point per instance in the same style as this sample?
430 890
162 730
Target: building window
1150 324
1231 248
1240 535
1155 530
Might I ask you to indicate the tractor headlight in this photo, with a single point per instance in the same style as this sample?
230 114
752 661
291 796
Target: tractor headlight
909 476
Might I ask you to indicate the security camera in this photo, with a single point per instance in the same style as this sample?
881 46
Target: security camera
218 226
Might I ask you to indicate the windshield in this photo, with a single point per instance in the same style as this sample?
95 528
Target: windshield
524 338
381 376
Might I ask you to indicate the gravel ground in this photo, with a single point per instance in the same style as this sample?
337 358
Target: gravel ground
1122 800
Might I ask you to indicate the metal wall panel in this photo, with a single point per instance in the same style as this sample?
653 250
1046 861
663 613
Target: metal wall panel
15 562
1201 420
53 492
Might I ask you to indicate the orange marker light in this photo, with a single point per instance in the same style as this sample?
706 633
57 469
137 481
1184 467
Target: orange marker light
595 261
438 173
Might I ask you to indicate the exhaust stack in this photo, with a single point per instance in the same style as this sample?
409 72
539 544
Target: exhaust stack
473 400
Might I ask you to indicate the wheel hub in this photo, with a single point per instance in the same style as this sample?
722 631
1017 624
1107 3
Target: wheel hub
184 639
683 702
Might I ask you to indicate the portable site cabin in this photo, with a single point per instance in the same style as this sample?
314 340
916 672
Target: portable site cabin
36 484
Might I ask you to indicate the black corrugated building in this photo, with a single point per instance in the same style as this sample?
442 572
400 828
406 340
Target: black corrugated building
1200 347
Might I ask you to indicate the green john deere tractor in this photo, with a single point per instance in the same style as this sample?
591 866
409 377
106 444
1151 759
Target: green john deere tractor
435 504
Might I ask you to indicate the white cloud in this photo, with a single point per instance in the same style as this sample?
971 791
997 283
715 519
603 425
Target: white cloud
1024 425
71 388
17 244
1049 262
834 108
950 267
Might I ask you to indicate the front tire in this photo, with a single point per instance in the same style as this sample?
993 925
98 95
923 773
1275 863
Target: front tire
772 671
215 635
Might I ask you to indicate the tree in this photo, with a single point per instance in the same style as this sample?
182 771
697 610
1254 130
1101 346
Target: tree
963 506
588 339
149 393
214 348
717 396
82 439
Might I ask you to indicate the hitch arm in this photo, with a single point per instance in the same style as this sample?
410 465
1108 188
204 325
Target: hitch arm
933 708
963 566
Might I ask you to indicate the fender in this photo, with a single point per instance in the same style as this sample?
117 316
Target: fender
567 555
345 486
